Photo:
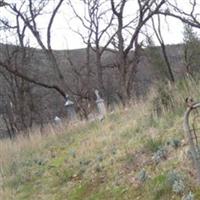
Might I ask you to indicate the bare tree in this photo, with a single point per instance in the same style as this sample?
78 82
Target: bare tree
2 3
17 95
126 67
159 36
97 21
14 63
26 13
191 50
190 15
83 83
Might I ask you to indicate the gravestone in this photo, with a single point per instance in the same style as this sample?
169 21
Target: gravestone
57 120
71 113
100 105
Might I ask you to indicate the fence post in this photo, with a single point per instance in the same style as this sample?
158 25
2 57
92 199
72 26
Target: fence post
190 136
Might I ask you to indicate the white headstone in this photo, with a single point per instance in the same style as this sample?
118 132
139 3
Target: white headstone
100 105
71 113
57 119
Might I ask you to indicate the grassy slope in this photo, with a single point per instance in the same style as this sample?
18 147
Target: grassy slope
101 160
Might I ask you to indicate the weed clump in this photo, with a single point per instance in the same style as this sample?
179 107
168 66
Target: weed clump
189 196
159 155
178 187
98 168
113 150
176 182
142 176
72 153
175 143
84 162
163 100
153 145
99 158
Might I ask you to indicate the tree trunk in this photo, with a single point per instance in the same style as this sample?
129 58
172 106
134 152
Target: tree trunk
123 81
99 72
171 75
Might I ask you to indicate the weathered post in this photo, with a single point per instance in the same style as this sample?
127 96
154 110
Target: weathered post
100 105
191 138
71 113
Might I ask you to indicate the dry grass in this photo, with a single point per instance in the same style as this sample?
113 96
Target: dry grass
108 154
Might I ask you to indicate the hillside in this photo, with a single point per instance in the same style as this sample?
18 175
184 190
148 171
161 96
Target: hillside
136 153
33 104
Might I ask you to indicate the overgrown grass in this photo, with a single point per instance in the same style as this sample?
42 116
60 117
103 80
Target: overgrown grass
102 160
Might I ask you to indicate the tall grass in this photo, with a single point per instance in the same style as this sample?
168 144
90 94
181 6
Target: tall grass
87 149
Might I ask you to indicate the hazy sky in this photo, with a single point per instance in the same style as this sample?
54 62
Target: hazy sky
172 30
64 38
172 34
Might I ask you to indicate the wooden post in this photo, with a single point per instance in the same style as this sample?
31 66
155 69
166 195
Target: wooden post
194 150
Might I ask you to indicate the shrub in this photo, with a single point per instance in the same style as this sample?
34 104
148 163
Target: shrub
189 196
98 168
163 100
72 153
84 162
113 150
173 176
160 155
175 143
153 145
178 187
176 182
99 158
160 188
142 176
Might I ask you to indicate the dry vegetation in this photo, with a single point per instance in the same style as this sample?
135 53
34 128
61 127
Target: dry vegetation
135 153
